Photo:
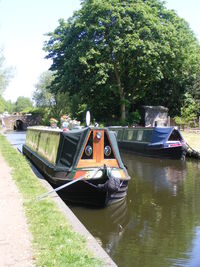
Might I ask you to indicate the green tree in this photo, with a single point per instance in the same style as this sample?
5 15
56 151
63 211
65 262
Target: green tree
195 88
6 105
189 111
23 103
51 104
42 95
118 54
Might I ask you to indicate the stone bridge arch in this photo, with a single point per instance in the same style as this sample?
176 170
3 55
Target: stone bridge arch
19 125
20 122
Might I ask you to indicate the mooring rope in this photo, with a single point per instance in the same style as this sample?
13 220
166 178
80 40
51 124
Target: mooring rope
65 185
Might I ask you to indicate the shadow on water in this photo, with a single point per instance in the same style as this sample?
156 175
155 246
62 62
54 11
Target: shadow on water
158 224
107 224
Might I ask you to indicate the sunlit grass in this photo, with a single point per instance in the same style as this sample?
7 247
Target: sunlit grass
193 139
54 241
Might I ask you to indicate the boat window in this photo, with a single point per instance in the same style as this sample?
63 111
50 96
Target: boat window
175 136
139 135
134 136
130 135
107 145
147 135
88 145
127 135
119 134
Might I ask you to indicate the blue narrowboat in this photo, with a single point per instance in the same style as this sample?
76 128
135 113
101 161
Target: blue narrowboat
164 142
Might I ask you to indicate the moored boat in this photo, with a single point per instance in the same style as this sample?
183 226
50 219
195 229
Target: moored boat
163 142
88 156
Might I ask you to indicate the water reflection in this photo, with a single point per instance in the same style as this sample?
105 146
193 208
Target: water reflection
160 174
107 225
164 202
160 219
17 138
194 253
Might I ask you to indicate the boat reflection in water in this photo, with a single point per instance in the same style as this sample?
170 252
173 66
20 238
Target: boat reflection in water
163 214
158 219
159 173
106 225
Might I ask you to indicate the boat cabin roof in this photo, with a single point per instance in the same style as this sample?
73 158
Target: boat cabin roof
73 143
162 134
153 135
68 150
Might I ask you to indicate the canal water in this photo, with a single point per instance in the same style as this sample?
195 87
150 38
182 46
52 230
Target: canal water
158 224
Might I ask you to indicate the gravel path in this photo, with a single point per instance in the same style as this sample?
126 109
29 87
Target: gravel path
15 239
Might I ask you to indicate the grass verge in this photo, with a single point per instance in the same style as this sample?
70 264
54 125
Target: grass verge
54 241
193 139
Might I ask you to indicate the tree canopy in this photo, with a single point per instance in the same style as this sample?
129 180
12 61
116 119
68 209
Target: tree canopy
23 103
118 55
195 88
42 95
50 104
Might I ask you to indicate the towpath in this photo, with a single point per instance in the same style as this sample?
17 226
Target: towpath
15 239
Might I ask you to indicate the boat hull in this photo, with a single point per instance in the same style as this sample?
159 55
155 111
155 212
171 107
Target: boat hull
178 152
89 193
98 192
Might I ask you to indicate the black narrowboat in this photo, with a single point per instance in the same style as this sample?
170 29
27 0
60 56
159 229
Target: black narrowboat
90 157
162 142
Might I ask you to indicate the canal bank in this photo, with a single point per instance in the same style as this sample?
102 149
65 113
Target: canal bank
193 144
70 245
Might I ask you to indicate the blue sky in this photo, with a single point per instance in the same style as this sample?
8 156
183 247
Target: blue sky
23 24
189 10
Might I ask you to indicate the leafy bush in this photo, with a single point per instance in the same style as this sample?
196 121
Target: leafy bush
189 112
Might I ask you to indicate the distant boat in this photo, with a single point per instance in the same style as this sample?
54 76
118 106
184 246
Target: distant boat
162 142
88 157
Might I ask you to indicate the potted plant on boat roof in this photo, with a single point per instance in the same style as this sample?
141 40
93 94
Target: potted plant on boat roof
64 118
53 122
64 121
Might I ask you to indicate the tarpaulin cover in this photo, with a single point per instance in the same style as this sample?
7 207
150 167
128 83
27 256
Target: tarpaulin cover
70 147
161 135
